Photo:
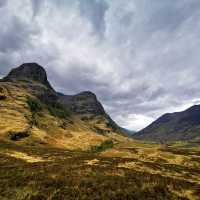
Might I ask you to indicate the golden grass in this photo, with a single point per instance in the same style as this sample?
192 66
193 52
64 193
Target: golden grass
51 172
172 162
25 157
92 162
13 112
16 116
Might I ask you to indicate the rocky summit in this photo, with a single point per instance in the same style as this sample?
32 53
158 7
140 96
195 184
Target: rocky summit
29 72
84 103
89 109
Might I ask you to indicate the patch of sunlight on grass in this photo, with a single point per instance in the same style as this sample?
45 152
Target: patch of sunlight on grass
25 157
92 162
184 193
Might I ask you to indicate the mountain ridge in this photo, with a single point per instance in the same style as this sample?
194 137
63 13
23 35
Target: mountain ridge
42 114
184 125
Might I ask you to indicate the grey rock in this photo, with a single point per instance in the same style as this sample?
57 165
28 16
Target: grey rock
29 72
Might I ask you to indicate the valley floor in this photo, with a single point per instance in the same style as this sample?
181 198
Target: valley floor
130 170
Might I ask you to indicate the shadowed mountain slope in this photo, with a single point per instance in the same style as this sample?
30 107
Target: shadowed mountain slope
174 126
89 109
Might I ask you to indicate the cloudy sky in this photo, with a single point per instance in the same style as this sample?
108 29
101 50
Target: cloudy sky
140 57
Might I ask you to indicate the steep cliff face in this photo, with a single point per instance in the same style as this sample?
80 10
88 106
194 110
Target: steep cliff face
33 78
89 109
85 103
29 72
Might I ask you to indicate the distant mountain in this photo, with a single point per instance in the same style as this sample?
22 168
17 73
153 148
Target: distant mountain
32 112
174 126
128 132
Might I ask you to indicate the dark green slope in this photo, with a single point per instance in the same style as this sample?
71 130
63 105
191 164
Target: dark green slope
174 126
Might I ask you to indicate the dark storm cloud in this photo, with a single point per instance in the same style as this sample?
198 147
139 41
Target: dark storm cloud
15 36
3 3
85 79
94 10
140 57
5 63
36 5
169 15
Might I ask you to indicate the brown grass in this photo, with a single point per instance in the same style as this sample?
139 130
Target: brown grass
55 163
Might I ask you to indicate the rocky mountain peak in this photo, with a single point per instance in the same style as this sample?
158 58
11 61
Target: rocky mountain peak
83 103
86 95
29 72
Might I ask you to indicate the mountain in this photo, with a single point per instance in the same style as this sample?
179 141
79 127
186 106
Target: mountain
86 106
32 112
128 132
57 146
29 72
174 126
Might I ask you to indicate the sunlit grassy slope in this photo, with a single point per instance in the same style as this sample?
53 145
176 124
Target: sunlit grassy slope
130 170
27 120
46 153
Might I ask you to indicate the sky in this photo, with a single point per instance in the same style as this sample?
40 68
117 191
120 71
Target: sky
140 57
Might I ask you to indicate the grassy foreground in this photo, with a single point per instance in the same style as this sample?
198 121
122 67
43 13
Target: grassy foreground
130 170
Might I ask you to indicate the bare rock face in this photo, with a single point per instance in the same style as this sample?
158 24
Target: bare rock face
89 109
83 103
29 72
35 81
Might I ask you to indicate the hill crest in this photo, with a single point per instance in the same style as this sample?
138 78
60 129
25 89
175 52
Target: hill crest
183 125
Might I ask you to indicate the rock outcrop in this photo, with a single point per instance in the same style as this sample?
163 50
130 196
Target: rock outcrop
29 72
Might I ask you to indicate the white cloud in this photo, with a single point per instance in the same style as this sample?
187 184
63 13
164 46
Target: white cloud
140 121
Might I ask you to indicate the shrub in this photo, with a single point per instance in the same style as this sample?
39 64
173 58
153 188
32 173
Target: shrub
34 105
108 144
58 110
112 125
101 131
2 97
54 109
18 135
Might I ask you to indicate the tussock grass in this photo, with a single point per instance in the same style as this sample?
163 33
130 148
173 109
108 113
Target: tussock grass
54 162
81 175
